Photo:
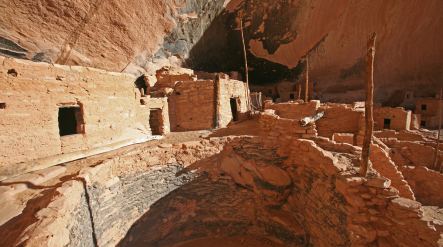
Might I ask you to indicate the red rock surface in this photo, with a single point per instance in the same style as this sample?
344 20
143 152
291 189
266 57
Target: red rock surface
409 50
115 33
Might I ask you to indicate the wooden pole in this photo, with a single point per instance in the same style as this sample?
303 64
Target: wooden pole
369 106
217 117
299 91
248 97
437 145
307 79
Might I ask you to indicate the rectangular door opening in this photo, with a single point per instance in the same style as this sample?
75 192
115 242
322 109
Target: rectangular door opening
70 120
156 121
387 123
234 109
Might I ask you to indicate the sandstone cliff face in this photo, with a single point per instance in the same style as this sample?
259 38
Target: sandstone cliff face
138 36
113 35
334 34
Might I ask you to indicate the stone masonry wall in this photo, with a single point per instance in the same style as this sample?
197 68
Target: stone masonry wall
193 105
295 111
321 191
426 184
360 211
399 118
340 118
281 130
231 89
33 93
162 104
411 153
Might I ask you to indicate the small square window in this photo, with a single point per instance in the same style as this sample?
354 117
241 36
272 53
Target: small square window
70 121
424 107
2 105
423 123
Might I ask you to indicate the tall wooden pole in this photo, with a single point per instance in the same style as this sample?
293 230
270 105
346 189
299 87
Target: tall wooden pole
299 91
437 146
369 106
248 97
307 79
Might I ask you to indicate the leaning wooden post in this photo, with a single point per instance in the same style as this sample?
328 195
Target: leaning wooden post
248 97
307 79
369 106
437 146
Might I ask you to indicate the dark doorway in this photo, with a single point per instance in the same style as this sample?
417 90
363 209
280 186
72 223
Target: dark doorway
292 96
156 121
69 120
140 84
387 123
423 124
234 109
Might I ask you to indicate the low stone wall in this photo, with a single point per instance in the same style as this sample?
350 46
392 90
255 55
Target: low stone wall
281 130
341 118
293 110
385 166
411 153
426 184
360 211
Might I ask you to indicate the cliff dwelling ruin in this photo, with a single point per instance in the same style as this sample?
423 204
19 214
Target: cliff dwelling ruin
221 123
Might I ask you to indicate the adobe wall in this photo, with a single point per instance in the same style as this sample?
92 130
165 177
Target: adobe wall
281 130
411 153
340 118
400 119
168 77
162 104
385 166
231 89
400 135
33 93
293 110
426 184
430 114
192 105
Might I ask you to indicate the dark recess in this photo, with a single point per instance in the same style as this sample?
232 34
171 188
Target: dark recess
12 72
220 50
234 109
68 120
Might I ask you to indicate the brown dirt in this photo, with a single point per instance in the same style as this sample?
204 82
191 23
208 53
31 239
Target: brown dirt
232 242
